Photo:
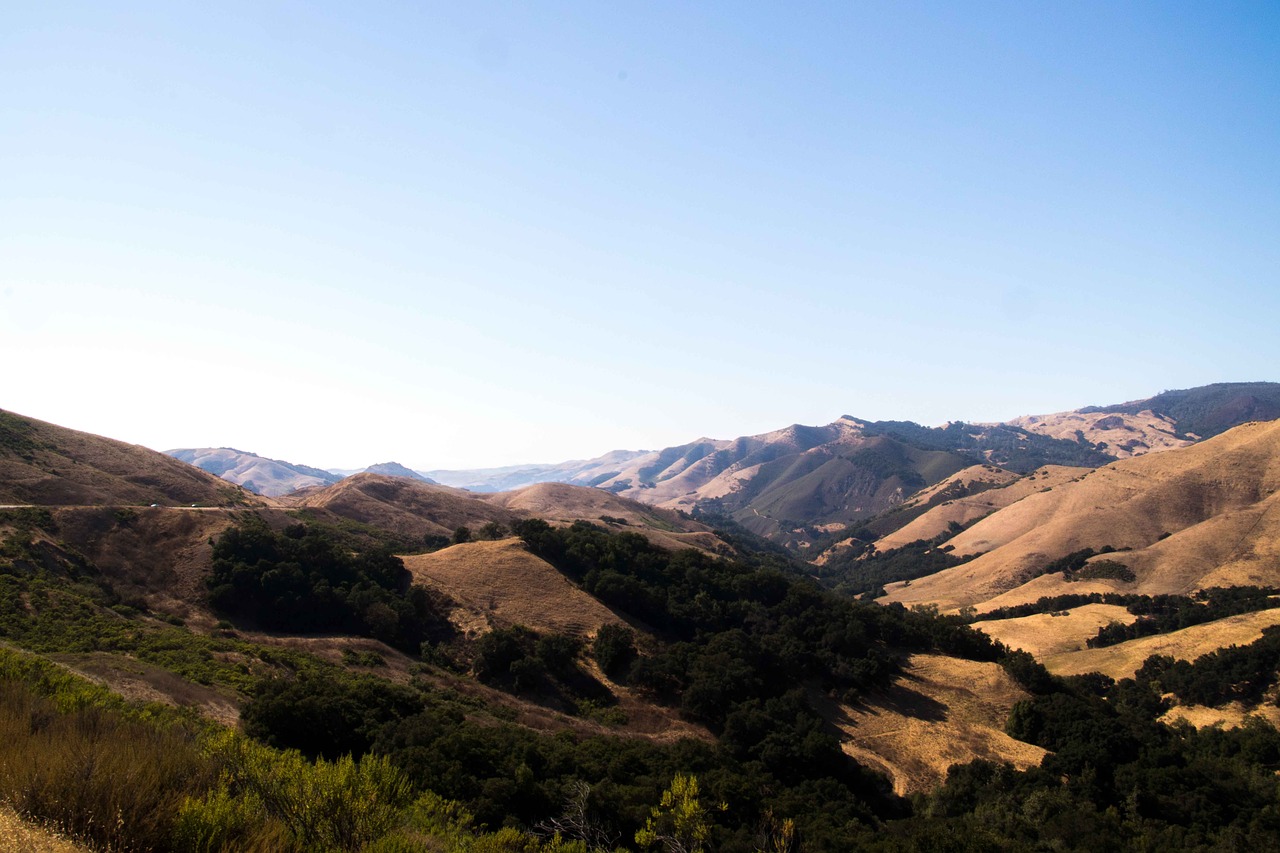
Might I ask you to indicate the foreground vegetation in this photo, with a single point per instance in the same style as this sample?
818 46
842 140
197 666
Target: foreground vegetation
333 759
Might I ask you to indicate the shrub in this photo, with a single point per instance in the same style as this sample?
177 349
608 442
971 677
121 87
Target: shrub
93 773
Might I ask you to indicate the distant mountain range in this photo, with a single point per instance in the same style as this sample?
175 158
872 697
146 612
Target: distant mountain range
798 484
275 477
258 474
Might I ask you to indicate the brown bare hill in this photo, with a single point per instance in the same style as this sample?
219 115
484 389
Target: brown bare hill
500 583
403 506
1196 516
565 503
41 463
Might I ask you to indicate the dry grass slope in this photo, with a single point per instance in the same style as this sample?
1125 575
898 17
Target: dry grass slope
21 836
945 711
1230 716
1054 633
500 583
1124 435
965 510
1226 487
49 465
1123 660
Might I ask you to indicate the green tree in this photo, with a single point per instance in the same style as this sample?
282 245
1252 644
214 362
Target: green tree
680 823
614 649
491 530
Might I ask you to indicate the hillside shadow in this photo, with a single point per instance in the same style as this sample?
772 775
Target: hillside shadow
903 700
898 699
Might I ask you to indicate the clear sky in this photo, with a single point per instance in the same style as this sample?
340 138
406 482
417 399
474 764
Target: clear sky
471 234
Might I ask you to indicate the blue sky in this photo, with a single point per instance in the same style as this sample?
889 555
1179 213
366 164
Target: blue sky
479 234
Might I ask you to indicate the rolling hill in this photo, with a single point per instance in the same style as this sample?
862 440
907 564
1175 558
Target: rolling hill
416 509
41 463
404 506
1199 516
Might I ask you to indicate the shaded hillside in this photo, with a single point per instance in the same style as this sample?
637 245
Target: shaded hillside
1209 410
1203 515
962 501
565 503
1121 435
826 486
271 477
41 463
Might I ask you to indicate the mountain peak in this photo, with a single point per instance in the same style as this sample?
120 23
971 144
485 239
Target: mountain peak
395 469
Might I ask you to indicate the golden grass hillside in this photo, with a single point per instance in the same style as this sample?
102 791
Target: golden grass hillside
49 465
1044 634
1233 715
500 583
1010 490
1151 504
944 711
1124 659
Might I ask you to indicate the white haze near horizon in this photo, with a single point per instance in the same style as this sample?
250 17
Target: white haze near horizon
472 235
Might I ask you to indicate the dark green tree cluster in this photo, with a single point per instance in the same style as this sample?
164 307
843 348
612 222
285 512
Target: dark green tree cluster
544 667
1161 614
1157 614
861 569
507 774
742 644
1116 778
743 649
1236 673
307 578
325 715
